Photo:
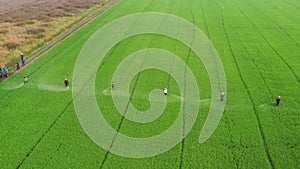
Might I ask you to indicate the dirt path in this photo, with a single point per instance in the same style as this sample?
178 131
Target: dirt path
60 38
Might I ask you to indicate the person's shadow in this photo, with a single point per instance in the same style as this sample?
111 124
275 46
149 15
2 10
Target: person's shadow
275 104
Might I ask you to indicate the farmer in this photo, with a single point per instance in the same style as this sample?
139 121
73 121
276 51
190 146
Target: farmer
22 59
165 91
4 71
278 99
25 79
17 66
66 82
222 96
112 85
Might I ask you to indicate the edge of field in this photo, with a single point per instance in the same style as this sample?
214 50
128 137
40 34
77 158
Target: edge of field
45 47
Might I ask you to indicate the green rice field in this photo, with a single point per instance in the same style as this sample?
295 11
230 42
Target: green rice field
258 42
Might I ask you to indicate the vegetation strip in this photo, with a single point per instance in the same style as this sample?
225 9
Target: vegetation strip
122 119
250 97
41 138
184 94
60 38
270 45
123 116
281 28
44 51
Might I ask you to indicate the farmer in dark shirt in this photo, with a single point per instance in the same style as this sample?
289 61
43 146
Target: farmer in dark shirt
278 99
17 66
112 85
22 59
66 82
222 96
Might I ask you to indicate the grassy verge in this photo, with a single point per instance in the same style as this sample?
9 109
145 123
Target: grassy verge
19 36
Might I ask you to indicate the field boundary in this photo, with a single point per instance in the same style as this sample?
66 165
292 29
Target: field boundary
34 56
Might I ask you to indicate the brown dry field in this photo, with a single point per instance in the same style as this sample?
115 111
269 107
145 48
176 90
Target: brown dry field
26 25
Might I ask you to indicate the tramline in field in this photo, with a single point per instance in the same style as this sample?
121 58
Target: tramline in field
257 44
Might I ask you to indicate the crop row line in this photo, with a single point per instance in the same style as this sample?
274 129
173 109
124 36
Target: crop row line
279 26
249 94
175 47
64 110
48 130
296 6
204 18
256 67
44 134
127 106
60 39
236 158
63 37
208 36
44 50
253 61
123 117
270 45
51 157
291 17
184 91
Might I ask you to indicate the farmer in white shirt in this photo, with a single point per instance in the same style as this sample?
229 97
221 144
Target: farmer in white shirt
165 91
